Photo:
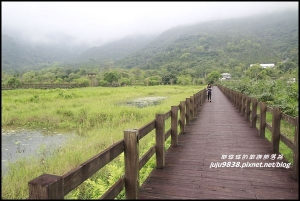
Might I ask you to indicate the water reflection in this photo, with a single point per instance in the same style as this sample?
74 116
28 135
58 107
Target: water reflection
25 143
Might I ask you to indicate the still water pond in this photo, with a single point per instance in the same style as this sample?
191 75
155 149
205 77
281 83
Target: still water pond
24 143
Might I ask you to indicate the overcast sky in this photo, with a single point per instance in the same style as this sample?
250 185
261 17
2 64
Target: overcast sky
97 22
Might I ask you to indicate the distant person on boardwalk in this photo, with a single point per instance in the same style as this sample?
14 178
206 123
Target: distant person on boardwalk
209 90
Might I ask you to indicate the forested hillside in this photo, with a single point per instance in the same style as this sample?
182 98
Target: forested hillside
231 45
22 56
115 50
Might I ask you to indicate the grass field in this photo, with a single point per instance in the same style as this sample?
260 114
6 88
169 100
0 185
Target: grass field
98 115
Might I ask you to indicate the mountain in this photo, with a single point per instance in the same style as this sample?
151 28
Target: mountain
219 44
19 55
268 38
115 50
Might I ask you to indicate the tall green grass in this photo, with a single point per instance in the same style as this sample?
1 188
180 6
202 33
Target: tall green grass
99 117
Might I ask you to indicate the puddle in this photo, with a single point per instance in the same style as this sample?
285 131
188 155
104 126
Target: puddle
145 101
23 143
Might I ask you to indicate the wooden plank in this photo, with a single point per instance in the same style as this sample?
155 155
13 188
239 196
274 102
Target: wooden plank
287 142
276 116
289 119
258 117
182 117
167 134
143 131
295 173
188 110
160 141
269 127
174 125
79 174
254 113
146 157
46 186
167 115
262 122
131 155
114 191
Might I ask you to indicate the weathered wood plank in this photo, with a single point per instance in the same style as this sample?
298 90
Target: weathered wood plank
143 131
167 134
269 127
79 174
146 157
289 119
114 191
131 158
287 142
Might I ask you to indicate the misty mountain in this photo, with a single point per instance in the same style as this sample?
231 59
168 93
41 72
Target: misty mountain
269 38
22 55
219 44
115 50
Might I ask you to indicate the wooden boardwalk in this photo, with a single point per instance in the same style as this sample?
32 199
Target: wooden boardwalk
219 131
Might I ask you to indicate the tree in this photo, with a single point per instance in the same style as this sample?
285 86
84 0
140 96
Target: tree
286 66
29 77
124 81
112 77
83 81
13 82
184 79
253 71
153 80
212 77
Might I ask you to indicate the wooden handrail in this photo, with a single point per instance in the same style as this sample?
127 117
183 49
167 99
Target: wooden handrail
49 186
238 100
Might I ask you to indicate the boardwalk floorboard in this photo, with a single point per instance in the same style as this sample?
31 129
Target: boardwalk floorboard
219 129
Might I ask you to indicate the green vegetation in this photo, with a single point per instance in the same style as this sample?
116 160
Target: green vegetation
98 115
276 93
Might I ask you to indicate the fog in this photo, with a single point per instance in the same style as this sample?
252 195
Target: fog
95 23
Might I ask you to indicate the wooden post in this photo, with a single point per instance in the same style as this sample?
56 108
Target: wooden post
182 117
201 99
262 125
174 126
196 103
275 130
248 101
188 112
192 108
236 99
240 101
131 157
160 141
254 113
199 102
243 101
295 173
197 95
46 186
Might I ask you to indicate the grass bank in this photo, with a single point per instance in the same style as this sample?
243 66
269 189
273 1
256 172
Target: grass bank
99 116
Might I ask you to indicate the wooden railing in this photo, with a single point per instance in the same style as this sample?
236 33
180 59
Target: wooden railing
49 186
247 106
